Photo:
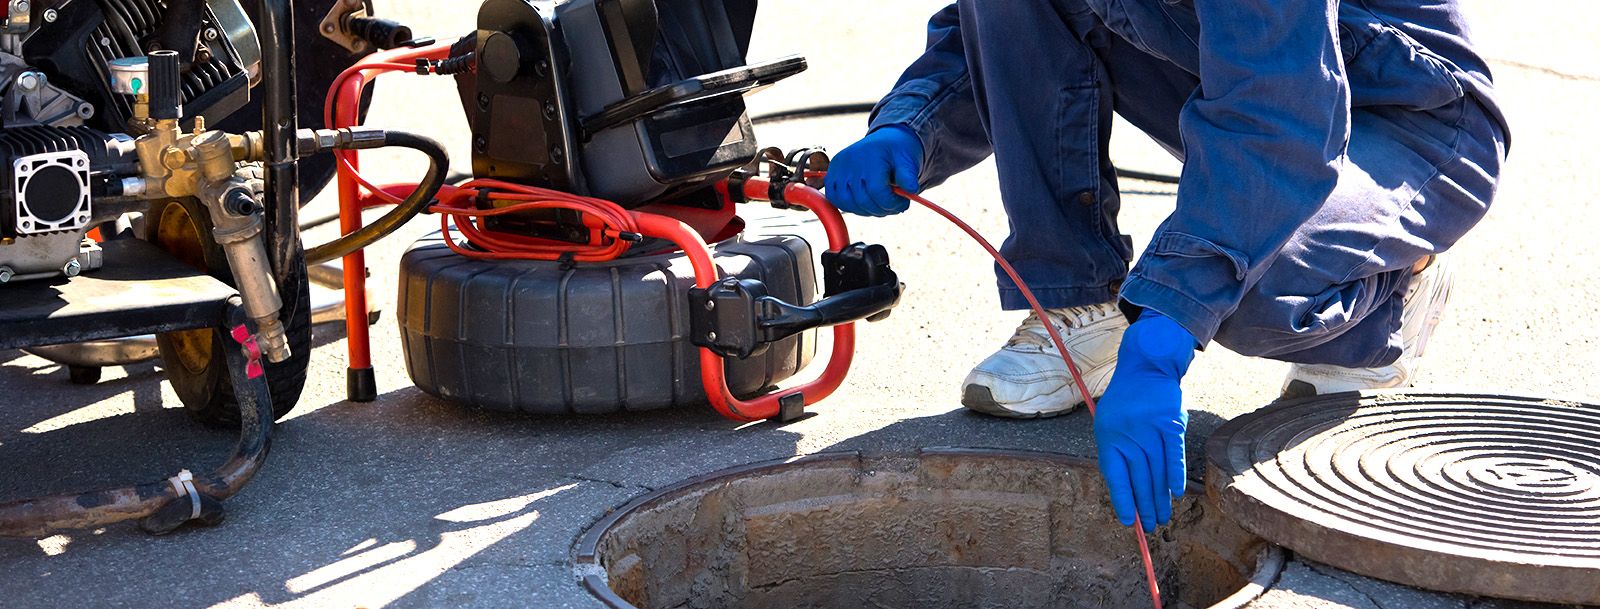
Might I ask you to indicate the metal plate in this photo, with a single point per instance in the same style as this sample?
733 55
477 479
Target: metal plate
1482 494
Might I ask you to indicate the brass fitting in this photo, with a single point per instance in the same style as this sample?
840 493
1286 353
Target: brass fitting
214 155
173 163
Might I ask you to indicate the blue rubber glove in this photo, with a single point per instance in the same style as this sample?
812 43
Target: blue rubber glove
1139 422
860 177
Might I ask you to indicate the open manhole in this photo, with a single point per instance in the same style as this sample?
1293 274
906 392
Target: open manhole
948 528
1489 495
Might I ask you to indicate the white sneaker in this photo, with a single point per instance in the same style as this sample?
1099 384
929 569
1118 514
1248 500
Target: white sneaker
1425 299
1027 379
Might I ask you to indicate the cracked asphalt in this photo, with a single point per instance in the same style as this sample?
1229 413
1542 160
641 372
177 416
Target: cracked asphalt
414 502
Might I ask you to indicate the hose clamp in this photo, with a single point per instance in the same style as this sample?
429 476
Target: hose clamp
184 484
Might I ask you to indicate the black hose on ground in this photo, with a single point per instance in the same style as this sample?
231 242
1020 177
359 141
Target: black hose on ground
415 203
1146 176
865 107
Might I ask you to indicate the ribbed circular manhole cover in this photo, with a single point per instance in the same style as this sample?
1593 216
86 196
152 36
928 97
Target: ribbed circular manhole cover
1482 494
935 529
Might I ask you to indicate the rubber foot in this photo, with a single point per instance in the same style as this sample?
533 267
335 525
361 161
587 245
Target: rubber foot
791 408
361 385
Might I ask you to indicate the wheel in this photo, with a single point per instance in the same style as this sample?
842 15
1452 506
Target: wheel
83 375
193 359
531 336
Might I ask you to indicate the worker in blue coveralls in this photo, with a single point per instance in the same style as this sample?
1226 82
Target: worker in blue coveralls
1331 151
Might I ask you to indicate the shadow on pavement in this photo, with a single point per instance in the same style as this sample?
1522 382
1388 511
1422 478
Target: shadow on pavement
410 500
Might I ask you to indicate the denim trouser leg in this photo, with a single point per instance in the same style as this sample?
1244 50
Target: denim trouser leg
1047 109
1413 184
1048 76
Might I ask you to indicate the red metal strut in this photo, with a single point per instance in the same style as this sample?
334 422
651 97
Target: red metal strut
705 274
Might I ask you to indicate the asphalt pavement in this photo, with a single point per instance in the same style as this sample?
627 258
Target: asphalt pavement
411 501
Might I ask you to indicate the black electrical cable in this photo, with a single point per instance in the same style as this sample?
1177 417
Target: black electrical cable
865 107
415 203
1160 178
814 112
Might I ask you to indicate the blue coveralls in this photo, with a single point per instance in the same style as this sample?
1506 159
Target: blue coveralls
1328 146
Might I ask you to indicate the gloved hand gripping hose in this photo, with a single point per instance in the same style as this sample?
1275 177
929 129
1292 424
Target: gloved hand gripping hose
414 203
1061 347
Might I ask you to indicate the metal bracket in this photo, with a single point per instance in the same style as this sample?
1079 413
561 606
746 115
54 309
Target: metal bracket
235 23
335 26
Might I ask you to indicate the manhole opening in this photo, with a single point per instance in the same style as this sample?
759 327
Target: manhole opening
933 530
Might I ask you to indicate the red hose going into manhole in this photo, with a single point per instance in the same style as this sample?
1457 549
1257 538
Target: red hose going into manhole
1061 347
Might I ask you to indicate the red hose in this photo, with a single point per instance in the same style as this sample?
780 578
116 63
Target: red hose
1061 347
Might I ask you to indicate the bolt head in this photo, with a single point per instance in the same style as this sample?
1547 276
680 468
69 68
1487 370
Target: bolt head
72 268
711 305
50 15
173 158
211 33
29 81
328 28
711 336
6 274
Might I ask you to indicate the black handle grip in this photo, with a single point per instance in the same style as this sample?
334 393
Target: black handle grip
736 318
780 319
166 101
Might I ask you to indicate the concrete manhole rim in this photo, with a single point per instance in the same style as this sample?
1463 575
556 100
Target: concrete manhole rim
1269 564
1315 533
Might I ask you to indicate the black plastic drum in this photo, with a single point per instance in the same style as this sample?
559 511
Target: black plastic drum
535 337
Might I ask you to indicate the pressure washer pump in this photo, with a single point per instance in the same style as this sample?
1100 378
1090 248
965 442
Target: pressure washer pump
610 144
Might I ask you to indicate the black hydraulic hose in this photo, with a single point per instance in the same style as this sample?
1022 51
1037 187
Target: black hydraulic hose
306 224
415 203
865 107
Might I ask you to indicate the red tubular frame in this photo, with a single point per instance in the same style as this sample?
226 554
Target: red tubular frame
358 341
343 109
705 274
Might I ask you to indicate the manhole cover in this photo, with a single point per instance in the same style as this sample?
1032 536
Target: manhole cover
1482 494
935 529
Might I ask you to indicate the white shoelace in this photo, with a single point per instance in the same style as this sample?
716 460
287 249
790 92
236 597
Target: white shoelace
1032 333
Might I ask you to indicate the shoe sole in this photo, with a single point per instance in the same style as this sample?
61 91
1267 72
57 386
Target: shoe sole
978 398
